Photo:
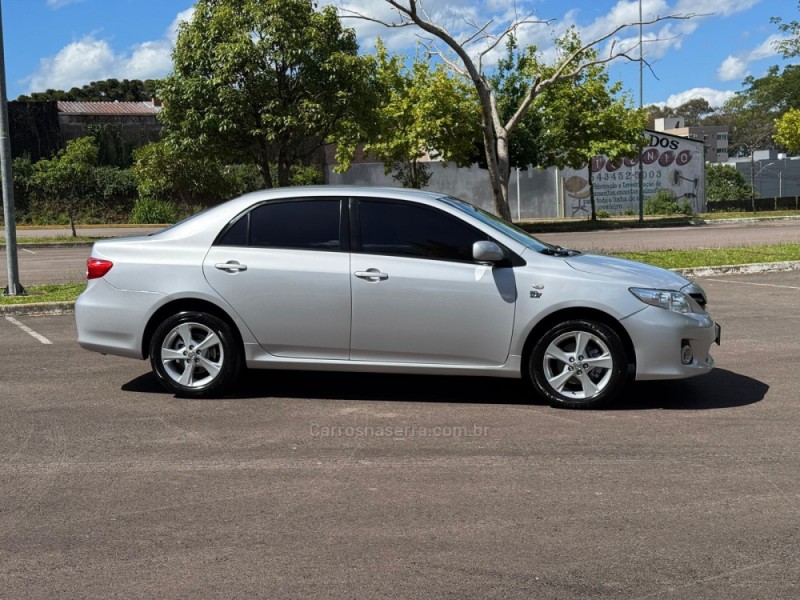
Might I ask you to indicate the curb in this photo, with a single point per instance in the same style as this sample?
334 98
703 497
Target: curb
739 220
67 308
749 269
37 309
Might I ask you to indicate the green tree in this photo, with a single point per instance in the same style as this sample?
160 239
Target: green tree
787 130
166 172
693 112
108 90
267 82
497 133
789 47
725 182
67 180
753 111
424 113
574 120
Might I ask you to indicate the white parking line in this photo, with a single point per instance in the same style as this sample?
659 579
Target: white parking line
774 285
28 251
28 330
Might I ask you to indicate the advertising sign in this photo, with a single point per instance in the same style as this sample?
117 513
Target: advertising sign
673 163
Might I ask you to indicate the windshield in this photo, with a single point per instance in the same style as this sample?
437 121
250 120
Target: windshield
504 227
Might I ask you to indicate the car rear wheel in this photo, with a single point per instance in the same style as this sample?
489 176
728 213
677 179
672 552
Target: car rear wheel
578 364
195 354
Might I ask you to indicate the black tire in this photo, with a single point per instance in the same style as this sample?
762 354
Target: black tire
194 373
571 380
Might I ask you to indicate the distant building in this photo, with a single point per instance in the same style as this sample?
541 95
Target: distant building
771 173
118 127
714 138
40 129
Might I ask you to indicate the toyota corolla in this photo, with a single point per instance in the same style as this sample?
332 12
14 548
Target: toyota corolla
386 280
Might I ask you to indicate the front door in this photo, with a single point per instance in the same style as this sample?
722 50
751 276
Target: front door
417 294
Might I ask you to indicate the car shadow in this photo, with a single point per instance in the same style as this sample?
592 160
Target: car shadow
718 389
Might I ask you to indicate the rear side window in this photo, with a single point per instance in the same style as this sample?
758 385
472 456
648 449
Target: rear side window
409 230
298 224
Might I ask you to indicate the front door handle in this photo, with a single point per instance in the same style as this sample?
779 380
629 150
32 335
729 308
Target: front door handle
232 266
371 275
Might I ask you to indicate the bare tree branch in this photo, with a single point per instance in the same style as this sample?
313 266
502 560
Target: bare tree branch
511 29
496 134
353 14
432 49
478 31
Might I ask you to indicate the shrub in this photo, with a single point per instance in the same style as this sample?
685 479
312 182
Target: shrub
302 175
663 203
241 179
603 214
149 211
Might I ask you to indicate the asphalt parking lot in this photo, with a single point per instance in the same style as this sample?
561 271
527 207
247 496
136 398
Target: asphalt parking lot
367 486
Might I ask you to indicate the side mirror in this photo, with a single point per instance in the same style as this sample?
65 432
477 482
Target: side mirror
487 253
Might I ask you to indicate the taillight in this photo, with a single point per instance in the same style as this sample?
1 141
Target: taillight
97 267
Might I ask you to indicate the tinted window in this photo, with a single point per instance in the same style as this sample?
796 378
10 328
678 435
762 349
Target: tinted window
236 234
305 224
411 230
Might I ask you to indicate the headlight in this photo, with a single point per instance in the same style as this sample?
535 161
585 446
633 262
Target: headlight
674 301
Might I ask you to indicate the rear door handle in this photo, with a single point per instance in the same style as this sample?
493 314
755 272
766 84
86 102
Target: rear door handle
371 275
232 266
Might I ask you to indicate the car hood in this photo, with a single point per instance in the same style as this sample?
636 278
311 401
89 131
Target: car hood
636 273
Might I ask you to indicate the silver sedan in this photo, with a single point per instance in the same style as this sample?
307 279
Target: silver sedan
386 280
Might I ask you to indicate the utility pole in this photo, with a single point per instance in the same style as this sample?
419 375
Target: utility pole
14 287
753 179
641 105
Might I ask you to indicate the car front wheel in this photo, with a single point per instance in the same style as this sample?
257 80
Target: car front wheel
195 354
578 364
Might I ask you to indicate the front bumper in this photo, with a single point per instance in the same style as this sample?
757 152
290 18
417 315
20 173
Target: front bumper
659 337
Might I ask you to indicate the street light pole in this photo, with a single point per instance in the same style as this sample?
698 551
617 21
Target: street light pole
753 176
14 287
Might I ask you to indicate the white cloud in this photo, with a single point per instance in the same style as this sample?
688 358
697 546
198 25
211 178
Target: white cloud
76 64
716 98
732 68
183 16
714 7
56 4
93 59
735 67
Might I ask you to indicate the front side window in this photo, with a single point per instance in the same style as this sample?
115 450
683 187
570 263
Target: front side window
298 224
498 224
402 229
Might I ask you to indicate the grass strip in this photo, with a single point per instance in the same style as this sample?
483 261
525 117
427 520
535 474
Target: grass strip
46 293
686 259
58 239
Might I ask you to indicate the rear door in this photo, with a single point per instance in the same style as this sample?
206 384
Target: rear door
283 268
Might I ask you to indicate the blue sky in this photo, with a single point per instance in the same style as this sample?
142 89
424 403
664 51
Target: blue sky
63 43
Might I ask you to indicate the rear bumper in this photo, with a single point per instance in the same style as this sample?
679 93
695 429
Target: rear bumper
111 321
659 336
